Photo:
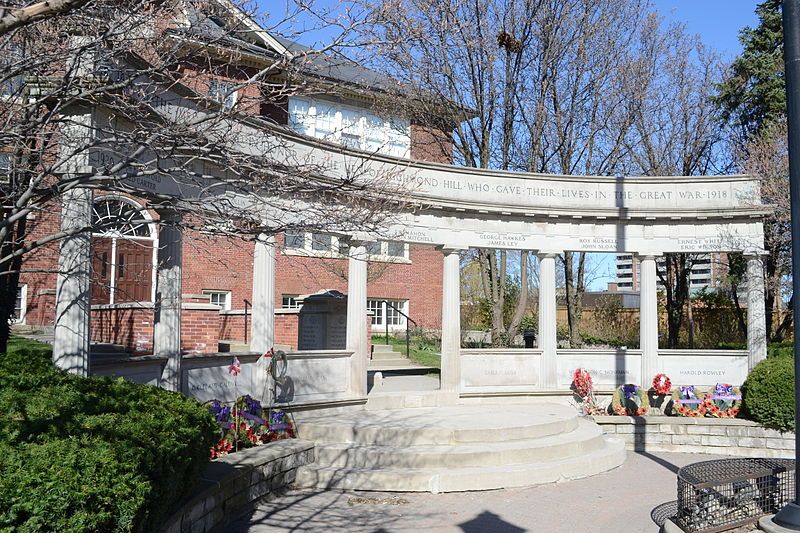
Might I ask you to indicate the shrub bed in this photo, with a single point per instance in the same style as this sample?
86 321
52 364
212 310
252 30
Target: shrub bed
92 454
768 393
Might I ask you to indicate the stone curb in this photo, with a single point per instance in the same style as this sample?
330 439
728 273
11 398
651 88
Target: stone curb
724 436
232 484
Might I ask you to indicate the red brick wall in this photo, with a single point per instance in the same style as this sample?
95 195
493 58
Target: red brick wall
431 144
199 329
39 267
419 282
129 327
218 263
286 327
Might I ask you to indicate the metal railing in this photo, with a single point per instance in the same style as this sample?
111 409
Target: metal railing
408 331
246 306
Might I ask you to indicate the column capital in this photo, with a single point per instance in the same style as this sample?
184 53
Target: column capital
754 254
548 253
647 255
448 249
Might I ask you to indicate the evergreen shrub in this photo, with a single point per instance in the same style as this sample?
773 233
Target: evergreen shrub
93 454
768 393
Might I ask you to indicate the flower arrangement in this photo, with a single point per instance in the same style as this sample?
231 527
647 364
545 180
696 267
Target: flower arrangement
686 403
630 400
662 385
247 424
583 387
723 401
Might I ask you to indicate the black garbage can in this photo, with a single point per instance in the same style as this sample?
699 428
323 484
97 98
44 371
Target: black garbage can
529 336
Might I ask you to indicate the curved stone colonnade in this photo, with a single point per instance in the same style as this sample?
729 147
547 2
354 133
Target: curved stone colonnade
456 208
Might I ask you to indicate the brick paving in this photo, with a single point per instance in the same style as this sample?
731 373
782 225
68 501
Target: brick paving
617 501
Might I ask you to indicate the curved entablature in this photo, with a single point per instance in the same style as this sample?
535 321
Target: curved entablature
462 206
476 190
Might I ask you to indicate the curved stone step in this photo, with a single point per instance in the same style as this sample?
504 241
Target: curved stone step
611 455
586 438
441 425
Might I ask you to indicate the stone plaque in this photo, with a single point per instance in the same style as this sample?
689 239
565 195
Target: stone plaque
704 371
608 370
323 321
499 370
216 383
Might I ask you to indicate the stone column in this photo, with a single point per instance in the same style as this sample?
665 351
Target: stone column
263 310
73 291
648 318
756 318
263 299
451 321
167 324
548 339
357 341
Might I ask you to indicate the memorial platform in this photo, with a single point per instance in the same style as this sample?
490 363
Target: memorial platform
455 448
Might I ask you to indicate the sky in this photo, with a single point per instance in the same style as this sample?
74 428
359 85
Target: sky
718 23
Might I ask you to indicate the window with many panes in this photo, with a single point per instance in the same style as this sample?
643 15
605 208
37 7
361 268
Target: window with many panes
21 304
314 243
220 298
223 92
387 249
289 301
388 312
350 126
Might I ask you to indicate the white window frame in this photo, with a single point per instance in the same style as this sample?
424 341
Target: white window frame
23 288
116 236
379 318
337 245
291 300
224 307
231 97
393 128
384 256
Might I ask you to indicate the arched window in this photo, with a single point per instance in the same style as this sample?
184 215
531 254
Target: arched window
122 252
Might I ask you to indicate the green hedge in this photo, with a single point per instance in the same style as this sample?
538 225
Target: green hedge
92 454
768 393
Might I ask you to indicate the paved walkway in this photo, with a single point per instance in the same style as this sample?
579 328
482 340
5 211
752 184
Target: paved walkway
617 501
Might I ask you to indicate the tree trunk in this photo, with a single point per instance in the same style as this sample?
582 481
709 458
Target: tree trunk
9 280
522 302
574 293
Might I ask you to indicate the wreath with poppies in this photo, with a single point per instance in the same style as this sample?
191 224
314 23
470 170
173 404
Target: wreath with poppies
662 385
723 401
630 400
686 403
246 424
583 387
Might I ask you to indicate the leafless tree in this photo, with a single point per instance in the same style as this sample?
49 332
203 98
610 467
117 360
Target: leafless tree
121 98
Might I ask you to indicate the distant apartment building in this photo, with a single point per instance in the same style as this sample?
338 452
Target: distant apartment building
707 271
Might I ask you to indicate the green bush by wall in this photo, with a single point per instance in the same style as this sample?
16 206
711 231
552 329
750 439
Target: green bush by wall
92 454
768 393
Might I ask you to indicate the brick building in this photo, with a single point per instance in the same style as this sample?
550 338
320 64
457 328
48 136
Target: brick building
217 272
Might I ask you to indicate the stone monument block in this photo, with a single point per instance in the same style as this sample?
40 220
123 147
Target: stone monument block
323 321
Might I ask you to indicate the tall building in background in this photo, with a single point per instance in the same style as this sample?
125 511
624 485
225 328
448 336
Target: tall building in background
707 271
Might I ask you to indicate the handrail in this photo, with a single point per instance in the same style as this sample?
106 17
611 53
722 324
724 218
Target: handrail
246 305
408 319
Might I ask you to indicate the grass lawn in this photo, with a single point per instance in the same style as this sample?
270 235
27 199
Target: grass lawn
424 357
18 344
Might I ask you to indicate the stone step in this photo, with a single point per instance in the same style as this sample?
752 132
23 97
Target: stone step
383 356
391 363
379 348
441 425
435 480
586 438
381 401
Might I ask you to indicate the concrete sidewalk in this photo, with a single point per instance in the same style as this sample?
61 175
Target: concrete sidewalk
617 501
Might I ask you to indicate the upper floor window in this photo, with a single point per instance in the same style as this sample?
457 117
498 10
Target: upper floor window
387 250
223 92
314 243
12 83
5 167
350 126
